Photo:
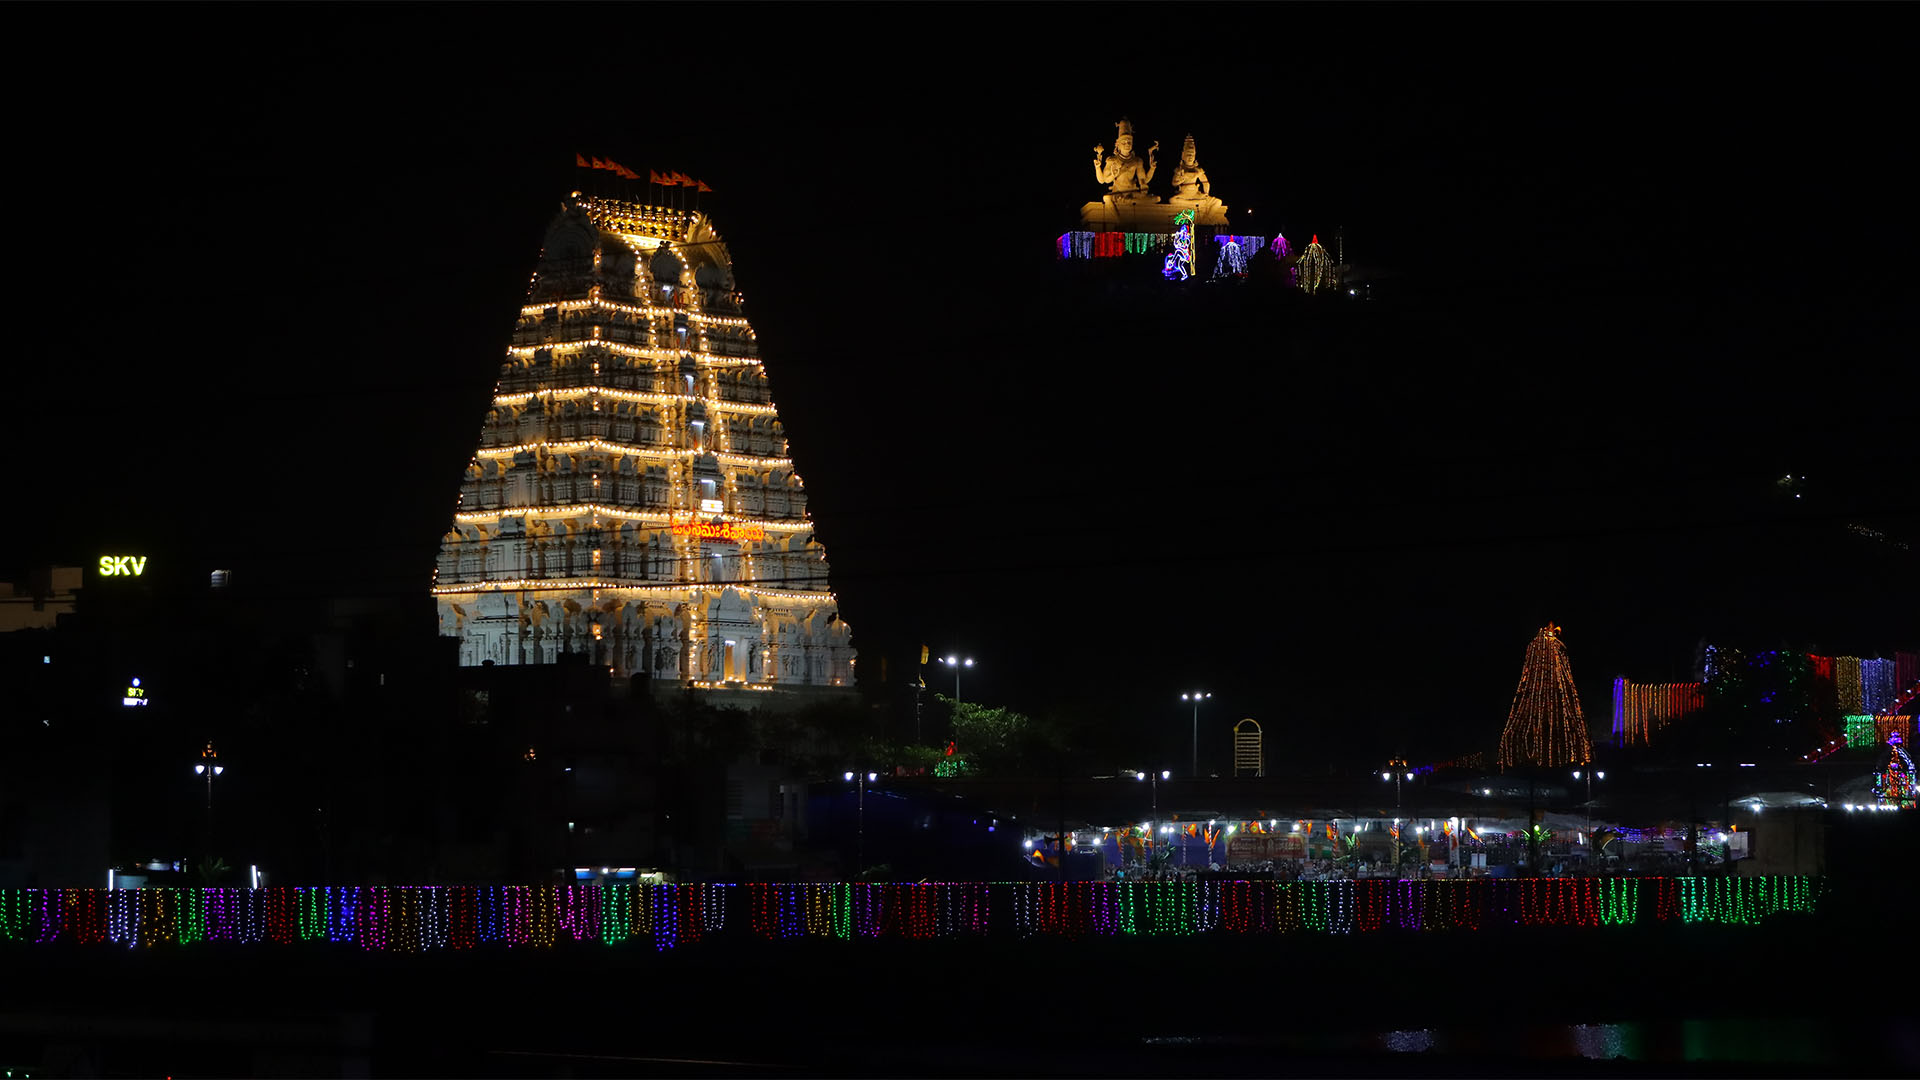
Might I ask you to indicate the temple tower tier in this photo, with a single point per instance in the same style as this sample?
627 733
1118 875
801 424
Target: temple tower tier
632 499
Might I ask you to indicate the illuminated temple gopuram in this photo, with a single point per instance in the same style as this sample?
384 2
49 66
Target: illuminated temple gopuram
632 500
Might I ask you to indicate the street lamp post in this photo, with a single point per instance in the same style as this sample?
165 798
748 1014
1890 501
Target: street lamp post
209 766
956 663
1396 769
1154 788
1196 697
1591 776
860 826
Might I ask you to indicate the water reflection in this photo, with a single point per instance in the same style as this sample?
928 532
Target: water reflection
1604 1042
1409 1042
1788 1040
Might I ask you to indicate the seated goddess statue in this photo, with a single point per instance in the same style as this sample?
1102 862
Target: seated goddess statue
1191 188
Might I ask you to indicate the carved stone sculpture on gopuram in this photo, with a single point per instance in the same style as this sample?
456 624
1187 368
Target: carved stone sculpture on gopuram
1130 207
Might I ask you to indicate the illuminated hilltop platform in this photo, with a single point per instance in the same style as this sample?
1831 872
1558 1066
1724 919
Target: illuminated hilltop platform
1186 230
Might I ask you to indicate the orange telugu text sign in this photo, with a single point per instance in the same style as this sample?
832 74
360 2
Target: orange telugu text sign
732 531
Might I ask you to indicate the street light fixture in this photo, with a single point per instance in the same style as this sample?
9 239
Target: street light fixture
956 663
1591 776
1196 697
860 828
209 766
1396 769
1154 785
1163 774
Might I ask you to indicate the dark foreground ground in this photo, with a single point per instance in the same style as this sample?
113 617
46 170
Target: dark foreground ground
1824 995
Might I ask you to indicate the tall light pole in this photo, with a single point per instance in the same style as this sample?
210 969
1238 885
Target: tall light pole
1154 785
956 663
1395 770
1196 697
860 827
1163 774
209 766
1591 776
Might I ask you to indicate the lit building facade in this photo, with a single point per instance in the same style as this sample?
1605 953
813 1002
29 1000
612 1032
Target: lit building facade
632 499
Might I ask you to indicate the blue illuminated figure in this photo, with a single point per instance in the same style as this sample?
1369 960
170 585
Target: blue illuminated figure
1179 266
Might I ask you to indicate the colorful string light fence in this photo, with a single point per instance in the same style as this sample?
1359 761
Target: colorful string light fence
1743 901
846 910
424 918
410 918
1343 907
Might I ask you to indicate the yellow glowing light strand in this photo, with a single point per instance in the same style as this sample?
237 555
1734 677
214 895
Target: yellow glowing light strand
1846 684
621 348
625 586
651 311
613 393
648 517
1545 725
616 449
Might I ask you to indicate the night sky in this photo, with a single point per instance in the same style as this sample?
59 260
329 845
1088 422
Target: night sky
1633 267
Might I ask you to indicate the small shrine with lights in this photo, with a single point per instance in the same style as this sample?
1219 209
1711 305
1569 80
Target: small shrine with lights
632 500
1186 231
1895 785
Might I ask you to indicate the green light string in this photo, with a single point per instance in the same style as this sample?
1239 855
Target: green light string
843 911
1315 912
12 915
1620 902
193 916
1161 901
1745 901
616 914
1128 896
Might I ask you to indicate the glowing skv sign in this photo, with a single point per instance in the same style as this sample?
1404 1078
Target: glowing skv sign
122 565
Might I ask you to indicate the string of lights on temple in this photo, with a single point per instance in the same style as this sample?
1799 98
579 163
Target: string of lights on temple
1545 725
423 918
617 337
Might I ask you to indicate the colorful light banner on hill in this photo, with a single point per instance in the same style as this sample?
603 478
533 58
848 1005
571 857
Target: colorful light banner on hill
1865 731
420 918
1640 710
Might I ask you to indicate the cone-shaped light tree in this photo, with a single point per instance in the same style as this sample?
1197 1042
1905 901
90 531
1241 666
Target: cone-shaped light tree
1545 725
